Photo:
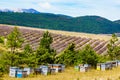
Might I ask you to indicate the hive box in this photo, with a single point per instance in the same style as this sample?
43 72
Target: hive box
37 71
57 67
108 65
13 71
103 67
77 68
44 70
86 65
21 74
63 67
113 63
82 69
118 63
98 66
29 70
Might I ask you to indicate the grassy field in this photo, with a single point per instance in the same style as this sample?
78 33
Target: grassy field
71 74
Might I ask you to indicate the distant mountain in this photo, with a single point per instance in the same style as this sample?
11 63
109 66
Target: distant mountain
20 10
117 21
6 10
97 24
87 24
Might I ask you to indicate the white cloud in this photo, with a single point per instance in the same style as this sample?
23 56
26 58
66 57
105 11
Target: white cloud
45 5
107 8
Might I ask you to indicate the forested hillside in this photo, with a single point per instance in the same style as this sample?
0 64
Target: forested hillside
88 24
117 21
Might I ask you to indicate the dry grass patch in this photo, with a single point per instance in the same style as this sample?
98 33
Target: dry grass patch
71 74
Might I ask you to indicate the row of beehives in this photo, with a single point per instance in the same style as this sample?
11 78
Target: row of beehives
43 69
19 73
82 67
49 69
100 66
108 65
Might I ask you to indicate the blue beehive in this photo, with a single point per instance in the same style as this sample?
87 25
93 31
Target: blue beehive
19 74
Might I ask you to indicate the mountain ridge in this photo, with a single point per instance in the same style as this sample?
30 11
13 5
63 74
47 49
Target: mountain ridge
117 21
20 10
87 24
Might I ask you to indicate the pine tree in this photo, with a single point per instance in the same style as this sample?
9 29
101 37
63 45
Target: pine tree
45 54
46 40
14 42
68 56
14 39
26 57
89 56
113 49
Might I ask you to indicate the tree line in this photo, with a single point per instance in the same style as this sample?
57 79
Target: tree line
92 24
44 54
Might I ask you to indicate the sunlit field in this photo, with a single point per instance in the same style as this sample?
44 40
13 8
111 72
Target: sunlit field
71 74
67 33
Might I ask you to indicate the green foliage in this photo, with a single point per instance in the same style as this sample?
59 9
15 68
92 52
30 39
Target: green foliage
85 56
27 57
11 59
2 69
14 39
46 40
78 58
28 49
89 56
68 56
117 21
113 49
1 39
102 58
44 54
88 24
2 65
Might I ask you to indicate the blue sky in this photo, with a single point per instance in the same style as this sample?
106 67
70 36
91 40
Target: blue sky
109 9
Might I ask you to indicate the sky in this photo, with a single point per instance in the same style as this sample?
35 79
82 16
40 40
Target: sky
109 9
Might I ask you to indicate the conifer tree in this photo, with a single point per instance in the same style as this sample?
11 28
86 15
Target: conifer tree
113 49
14 42
45 54
26 57
46 40
68 57
14 39
89 56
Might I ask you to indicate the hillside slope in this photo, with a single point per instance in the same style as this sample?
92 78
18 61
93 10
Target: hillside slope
117 21
88 24
60 39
